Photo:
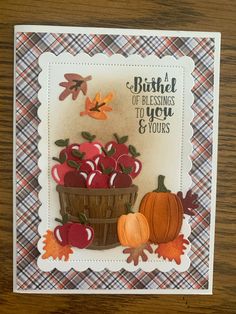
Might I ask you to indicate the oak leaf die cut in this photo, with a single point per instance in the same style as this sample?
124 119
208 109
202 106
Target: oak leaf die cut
75 84
189 202
135 253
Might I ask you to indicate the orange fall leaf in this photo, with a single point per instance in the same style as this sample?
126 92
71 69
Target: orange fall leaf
54 249
172 250
96 108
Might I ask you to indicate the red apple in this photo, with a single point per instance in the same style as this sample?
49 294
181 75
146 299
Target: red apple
120 180
80 236
98 180
59 171
87 165
130 162
61 233
105 162
119 146
120 149
75 178
90 148
68 152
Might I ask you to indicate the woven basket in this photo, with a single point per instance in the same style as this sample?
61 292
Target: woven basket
102 207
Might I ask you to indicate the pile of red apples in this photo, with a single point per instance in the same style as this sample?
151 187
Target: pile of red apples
92 165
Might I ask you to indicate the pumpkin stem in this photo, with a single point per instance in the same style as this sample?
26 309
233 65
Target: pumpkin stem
129 208
161 186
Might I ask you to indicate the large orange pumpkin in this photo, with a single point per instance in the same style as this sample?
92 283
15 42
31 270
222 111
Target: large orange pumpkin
164 213
133 230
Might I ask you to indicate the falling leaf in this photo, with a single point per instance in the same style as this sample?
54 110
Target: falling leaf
53 249
74 85
135 253
189 202
172 250
96 108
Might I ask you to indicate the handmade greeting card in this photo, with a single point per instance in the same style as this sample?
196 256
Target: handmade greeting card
116 145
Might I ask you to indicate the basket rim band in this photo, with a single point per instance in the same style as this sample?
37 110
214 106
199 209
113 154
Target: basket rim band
96 220
97 192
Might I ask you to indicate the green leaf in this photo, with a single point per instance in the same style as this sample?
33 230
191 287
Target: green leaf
62 143
107 170
133 151
126 170
77 153
123 139
87 136
110 152
73 164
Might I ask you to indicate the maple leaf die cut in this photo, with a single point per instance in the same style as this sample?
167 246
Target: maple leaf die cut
75 84
53 249
172 250
96 108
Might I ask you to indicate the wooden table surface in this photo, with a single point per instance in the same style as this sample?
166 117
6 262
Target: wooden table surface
206 15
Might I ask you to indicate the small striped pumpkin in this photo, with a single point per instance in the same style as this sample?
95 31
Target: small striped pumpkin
133 229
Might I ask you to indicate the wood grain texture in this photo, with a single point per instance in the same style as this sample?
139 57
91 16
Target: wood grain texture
199 15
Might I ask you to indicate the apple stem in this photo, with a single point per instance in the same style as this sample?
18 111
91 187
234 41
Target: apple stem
120 140
61 160
56 159
59 220
82 218
116 137
64 219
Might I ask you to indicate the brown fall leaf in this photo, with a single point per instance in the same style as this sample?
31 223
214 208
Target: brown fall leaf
135 253
75 84
189 202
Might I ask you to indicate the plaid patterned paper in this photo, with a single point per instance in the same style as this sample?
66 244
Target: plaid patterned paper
29 46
